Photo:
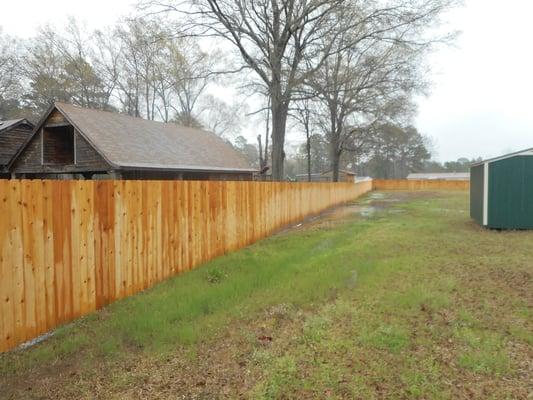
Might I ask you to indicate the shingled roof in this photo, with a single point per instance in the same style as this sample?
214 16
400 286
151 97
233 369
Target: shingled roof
12 123
136 143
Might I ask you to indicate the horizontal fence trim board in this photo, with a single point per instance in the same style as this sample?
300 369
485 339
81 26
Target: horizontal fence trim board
68 248
419 184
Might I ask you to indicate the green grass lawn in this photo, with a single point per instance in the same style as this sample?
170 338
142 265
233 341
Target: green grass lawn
411 301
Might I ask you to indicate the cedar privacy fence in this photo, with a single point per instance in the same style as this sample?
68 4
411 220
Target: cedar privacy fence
419 184
68 248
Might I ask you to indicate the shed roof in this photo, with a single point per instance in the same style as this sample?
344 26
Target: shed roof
526 152
440 175
135 143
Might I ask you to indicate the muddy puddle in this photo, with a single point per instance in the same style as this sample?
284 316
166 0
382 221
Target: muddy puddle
367 207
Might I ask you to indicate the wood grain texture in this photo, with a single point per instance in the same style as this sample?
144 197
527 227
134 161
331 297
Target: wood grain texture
11 141
68 248
404 184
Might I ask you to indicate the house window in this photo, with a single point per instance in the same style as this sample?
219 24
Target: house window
58 145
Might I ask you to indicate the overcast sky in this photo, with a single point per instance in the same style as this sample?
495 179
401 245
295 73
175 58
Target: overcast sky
480 103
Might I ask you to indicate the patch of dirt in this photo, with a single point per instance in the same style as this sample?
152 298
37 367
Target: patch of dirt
218 369
46 382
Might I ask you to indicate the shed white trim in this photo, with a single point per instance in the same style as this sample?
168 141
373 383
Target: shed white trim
486 193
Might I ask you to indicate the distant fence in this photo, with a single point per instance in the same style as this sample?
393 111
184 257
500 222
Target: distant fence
404 184
68 248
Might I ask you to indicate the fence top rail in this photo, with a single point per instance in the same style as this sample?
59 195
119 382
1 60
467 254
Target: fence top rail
180 180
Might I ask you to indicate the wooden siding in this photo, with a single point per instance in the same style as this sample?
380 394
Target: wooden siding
11 141
60 141
87 157
58 146
56 118
29 160
404 184
68 248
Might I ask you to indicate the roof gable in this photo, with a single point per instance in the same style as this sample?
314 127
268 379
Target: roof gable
13 136
52 117
14 123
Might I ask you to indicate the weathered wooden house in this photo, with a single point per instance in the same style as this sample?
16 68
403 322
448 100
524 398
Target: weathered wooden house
13 134
72 142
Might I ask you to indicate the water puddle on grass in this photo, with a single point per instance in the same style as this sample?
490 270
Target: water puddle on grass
374 203
356 210
367 207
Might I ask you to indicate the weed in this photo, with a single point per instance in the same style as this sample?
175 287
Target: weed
214 275
386 337
483 352
281 378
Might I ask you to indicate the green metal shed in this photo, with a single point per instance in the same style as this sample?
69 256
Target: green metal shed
501 191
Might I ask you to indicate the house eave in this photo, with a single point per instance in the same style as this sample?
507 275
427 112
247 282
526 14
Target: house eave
122 166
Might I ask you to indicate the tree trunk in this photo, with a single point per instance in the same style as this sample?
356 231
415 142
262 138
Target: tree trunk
265 151
308 146
280 112
335 152
260 144
335 164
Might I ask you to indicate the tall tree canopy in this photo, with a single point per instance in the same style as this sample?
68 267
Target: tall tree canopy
136 67
285 42
341 68
395 152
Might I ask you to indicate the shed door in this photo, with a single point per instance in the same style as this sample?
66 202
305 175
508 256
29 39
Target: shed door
511 193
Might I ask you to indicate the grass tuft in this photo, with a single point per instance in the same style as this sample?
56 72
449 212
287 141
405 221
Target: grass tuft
386 337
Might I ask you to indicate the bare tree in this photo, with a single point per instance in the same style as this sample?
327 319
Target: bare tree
305 112
142 43
277 39
58 65
10 79
281 40
221 118
373 71
264 149
190 71
137 67
76 48
155 75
